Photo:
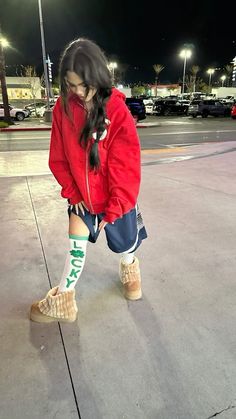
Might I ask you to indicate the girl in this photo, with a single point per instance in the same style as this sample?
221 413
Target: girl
95 157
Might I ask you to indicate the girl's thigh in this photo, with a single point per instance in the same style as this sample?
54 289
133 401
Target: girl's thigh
77 226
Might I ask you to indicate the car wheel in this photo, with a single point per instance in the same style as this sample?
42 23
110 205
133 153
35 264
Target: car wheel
20 116
205 114
194 116
234 117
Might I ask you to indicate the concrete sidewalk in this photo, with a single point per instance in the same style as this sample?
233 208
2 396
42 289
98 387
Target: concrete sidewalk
170 355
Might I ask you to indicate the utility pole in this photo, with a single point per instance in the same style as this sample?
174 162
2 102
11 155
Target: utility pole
44 54
7 117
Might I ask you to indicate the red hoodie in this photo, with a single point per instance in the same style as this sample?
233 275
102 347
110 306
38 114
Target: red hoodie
114 188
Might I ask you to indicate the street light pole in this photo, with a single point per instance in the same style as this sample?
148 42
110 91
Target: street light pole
210 71
185 53
7 116
209 80
44 53
185 59
222 80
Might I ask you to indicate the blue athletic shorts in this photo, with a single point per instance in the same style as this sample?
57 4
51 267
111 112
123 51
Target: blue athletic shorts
123 236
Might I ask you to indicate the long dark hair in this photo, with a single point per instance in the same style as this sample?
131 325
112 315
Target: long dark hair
87 60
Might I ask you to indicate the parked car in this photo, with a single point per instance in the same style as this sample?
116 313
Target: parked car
233 111
38 108
136 107
149 108
147 100
41 110
184 102
228 99
208 107
34 106
168 107
16 113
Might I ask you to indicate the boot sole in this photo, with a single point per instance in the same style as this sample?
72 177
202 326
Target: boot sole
133 295
42 318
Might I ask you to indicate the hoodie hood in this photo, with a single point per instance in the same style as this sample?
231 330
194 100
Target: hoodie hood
116 100
117 94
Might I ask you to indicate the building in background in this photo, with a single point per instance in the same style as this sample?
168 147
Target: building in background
23 88
164 89
125 90
223 92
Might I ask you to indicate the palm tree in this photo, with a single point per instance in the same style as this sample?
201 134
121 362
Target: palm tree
157 68
194 70
229 71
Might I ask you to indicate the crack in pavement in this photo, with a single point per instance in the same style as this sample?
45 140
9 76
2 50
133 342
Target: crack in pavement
224 410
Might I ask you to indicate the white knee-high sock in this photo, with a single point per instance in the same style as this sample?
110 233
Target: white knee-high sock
128 258
74 262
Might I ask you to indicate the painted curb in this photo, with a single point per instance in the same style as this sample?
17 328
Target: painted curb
25 129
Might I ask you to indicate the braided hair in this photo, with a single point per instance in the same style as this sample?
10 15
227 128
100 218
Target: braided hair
87 60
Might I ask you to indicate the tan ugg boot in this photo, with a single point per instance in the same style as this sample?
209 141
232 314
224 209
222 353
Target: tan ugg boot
55 307
131 279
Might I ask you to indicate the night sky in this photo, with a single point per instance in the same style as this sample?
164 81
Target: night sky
137 33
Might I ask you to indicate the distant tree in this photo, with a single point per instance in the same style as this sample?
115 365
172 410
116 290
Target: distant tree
229 70
157 68
56 86
188 83
194 70
195 84
138 90
191 79
201 86
30 72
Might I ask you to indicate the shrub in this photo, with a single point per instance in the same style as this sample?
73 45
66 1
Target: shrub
3 124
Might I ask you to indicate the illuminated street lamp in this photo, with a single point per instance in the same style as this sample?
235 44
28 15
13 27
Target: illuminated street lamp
44 60
210 71
112 67
4 43
222 80
185 53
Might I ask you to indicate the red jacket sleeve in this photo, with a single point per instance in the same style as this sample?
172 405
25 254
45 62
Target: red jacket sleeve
58 163
124 167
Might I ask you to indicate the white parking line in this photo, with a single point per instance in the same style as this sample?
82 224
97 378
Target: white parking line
180 145
176 145
191 132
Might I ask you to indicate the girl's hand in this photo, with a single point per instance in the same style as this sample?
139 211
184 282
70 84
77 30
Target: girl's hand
81 205
102 225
